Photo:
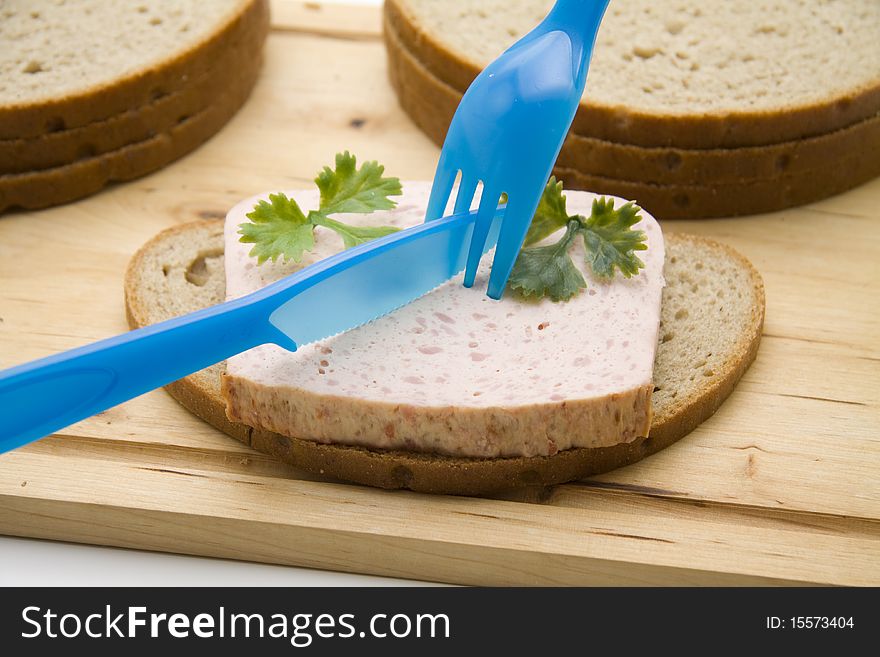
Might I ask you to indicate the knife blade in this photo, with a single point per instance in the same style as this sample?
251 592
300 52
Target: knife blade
360 284
331 296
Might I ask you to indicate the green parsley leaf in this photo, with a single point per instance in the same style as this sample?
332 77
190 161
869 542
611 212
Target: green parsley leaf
348 189
542 271
610 241
353 235
550 215
278 229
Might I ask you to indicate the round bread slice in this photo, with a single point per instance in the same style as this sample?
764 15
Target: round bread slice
47 187
55 149
68 64
697 74
711 322
431 103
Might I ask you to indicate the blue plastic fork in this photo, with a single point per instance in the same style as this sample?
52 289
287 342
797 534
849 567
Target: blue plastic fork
509 128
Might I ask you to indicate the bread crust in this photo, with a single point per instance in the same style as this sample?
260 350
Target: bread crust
55 149
731 199
200 393
29 120
40 189
680 417
631 126
674 183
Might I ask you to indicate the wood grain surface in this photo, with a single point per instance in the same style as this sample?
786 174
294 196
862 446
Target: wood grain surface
782 485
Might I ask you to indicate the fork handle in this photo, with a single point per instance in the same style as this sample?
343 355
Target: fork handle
577 13
580 20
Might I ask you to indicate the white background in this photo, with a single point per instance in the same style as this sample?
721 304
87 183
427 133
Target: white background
28 562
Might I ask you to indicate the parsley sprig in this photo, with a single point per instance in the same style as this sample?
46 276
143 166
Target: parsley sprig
278 228
609 241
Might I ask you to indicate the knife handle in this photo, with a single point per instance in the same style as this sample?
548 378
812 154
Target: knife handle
45 395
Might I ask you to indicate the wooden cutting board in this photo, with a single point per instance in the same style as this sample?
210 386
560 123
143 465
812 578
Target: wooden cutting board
782 485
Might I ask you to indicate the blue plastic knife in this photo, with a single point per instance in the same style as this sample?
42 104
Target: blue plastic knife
331 296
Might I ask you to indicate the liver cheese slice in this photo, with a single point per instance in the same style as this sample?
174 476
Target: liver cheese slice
455 372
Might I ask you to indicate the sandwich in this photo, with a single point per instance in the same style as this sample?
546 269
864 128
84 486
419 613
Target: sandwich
612 341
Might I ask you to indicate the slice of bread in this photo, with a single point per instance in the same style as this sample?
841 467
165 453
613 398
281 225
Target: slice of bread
431 102
711 322
696 74
62 147
47 187
67 64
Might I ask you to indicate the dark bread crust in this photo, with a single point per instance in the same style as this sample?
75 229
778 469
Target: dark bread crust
39 189
672 183
29 120
732 199
174 249
629 126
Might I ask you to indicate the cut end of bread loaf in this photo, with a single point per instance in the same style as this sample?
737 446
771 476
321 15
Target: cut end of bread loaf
181 270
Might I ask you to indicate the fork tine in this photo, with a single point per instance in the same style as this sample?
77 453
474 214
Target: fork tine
517 219
488 205
466 189
444 179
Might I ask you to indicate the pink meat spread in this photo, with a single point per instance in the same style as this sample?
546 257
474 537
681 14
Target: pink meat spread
455 372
